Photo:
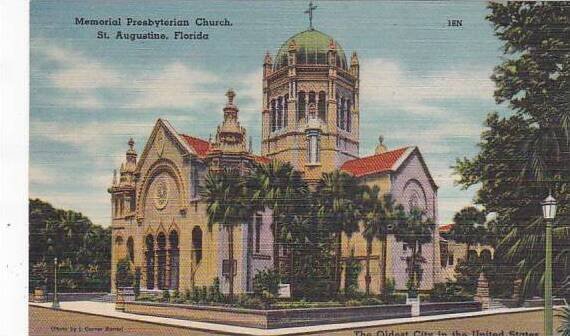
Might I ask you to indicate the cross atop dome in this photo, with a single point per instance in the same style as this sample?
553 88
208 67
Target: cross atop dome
310 12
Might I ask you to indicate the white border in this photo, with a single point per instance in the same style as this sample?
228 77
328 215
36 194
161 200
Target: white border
14 117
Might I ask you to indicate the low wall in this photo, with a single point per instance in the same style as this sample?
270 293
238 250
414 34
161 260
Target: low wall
268 319
76 296
438 308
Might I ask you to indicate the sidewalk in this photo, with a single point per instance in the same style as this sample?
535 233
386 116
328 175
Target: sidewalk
108 310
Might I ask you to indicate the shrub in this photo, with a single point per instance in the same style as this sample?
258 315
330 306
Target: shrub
266 283
214 293
137 282
449 292
166 295
251 302
352 270
187 295
124 277
353 303
371 301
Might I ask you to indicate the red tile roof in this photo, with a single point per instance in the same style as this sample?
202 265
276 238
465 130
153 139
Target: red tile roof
202 147
373 164
445 228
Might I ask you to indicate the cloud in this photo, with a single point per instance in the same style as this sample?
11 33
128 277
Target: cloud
387 83
93 138
174 86
41 175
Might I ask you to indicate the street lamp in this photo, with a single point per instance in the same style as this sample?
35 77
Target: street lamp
549 213
55 302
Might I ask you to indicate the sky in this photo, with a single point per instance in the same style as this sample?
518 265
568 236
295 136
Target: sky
422 83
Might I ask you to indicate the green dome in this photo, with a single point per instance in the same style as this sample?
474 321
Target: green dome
312 48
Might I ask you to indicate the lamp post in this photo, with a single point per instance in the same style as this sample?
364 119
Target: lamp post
55 302
549 213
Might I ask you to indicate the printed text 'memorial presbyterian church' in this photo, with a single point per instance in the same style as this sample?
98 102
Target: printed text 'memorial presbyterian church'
310 118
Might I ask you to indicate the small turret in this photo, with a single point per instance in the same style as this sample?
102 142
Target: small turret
230 136
354 65
267 64
332 52
380 148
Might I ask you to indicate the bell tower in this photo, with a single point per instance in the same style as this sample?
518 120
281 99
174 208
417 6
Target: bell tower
310 114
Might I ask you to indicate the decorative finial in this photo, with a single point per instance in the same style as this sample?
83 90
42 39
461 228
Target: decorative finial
131 143
114 176
210 138
310 12
230 94
381 148
250 145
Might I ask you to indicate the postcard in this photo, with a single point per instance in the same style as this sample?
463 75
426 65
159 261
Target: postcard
355 168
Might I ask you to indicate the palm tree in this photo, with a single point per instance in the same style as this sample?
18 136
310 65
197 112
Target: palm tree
374 223
279 187
415 231
468 227
337 210
227 205
564 328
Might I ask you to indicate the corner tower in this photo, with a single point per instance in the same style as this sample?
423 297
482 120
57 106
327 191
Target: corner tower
310 104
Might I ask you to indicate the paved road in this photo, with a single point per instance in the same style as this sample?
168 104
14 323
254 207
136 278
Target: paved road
45 321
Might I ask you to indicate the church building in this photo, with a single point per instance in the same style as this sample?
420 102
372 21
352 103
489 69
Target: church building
310 117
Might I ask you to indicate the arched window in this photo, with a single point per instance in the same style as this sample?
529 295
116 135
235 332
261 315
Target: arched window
173 259
301 106
338 110
149 254
161 269
273 116
313 150
197 244
322 106
486 257
342 113
312 98
285 110
131 249
279 113
348 115
471 256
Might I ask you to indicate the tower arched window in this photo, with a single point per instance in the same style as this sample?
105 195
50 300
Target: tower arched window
301 106
313 148
285 110
342 122
322 106
273 116
312 98
338 110
348 115
279 112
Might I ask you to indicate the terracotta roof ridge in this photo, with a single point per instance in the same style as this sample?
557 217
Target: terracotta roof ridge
380 154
